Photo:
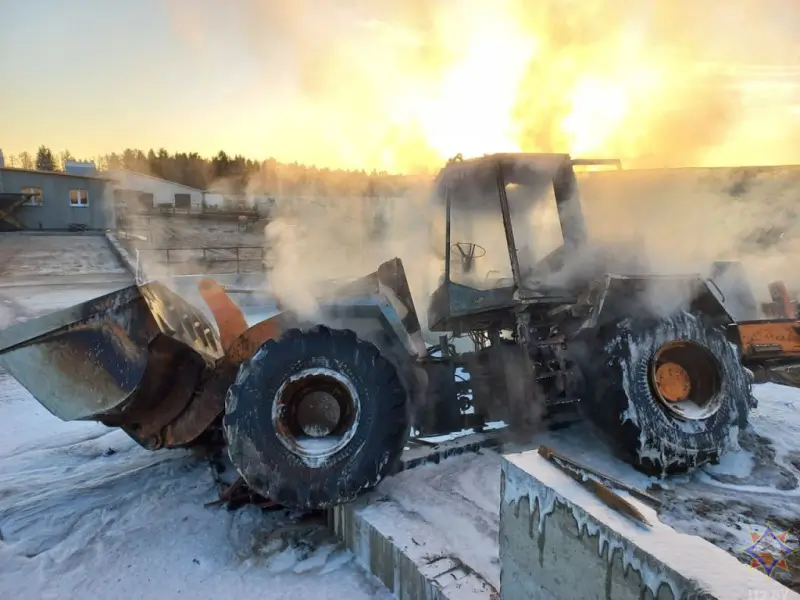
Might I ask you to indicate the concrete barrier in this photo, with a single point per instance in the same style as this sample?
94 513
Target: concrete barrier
404 557
121 253
557 540
414 551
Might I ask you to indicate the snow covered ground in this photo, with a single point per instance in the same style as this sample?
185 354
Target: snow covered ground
85 512
37 255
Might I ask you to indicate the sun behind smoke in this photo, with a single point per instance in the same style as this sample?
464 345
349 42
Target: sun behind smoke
405 84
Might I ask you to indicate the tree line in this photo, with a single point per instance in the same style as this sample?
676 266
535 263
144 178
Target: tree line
231 175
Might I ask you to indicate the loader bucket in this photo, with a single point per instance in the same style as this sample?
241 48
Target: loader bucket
88 361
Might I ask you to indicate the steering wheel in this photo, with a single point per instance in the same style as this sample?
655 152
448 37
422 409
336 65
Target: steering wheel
468 252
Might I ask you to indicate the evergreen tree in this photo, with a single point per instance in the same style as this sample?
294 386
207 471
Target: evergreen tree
45 160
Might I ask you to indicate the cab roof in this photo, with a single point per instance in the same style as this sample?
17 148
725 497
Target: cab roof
478 176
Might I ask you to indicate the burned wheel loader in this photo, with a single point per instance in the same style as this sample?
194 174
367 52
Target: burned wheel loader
533 322
557 322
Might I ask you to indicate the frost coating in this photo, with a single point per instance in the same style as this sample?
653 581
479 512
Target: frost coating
640 350
518 487
640 347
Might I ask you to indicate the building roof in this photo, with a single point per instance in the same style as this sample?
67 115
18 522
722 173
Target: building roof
53 173
110 175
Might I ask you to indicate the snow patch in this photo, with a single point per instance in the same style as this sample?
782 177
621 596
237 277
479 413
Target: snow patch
737 463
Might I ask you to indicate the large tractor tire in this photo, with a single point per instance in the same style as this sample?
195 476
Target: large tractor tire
672 393
315 418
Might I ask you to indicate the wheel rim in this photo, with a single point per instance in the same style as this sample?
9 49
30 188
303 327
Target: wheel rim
686 379
315 414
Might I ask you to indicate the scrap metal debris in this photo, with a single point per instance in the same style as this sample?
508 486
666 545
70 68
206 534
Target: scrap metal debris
603 478
602 489
238 494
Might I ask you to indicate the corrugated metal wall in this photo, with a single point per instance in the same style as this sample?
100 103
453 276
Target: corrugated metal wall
55 211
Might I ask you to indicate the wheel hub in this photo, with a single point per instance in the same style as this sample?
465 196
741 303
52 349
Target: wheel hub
686 378
315 414
318 413
673 382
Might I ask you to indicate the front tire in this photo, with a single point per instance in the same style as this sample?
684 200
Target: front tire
672 394
315 418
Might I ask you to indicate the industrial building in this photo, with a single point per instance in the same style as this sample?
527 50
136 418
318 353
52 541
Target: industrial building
139 191
45 200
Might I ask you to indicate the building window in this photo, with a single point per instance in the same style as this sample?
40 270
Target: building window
78 197
34 196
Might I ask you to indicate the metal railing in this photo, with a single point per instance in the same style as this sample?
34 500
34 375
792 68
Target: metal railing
253 208
207 259
139 234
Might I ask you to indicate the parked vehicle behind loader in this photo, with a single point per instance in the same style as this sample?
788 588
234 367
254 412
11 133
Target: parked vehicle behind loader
313 414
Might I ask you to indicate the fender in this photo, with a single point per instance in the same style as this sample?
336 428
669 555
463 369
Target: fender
651 296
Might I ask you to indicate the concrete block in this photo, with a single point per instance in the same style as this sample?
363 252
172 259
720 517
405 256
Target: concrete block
400 552
430 532
558 540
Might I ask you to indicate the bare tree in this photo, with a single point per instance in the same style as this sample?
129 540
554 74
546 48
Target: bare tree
25 160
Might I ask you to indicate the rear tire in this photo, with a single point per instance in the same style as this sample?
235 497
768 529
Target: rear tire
644 415
366 428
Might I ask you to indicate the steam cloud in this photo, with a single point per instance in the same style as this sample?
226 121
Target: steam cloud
309 241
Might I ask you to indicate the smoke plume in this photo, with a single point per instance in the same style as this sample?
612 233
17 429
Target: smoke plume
402 85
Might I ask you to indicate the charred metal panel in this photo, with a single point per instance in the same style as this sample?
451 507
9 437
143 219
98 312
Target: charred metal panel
386 290
453 301
372 318
182 321
654 296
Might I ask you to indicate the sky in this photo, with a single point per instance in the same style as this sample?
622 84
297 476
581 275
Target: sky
398 83
102 75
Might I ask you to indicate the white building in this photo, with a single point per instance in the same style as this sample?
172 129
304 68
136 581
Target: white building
152 192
